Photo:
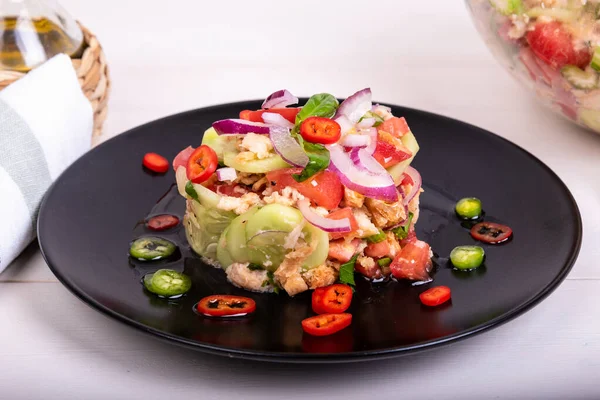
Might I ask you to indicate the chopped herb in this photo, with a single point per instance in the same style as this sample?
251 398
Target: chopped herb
254 267
189 189
347 271
271 279
378 238
319 105
401 232
384 262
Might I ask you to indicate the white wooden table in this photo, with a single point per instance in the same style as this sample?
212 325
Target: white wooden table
175 55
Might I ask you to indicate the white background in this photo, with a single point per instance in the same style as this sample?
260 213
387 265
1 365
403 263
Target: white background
169 56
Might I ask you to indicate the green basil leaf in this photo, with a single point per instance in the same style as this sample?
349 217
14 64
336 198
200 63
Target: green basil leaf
347 271
318 160
319 105
271 279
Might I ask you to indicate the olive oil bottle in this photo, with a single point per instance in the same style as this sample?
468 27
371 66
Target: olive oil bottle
32 31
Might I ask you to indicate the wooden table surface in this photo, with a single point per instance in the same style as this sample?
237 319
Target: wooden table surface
167 57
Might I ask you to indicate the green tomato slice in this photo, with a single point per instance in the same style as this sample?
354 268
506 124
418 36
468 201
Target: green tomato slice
467 257
151 248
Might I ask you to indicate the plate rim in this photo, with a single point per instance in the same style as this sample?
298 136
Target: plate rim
354 356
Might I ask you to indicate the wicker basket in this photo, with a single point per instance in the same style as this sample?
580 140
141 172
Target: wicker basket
92 73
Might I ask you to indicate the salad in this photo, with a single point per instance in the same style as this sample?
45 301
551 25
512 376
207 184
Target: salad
297 198
552 46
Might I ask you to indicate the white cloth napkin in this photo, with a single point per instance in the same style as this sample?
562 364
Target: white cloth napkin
45 125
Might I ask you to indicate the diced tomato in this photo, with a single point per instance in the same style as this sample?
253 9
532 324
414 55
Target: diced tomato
395 126
370 270
256 116
390 150
320 130
201 164
553 43
155 162
182 158
341 214
406 180
162 222
233 190
324 188
378 250
326 324
412 262
342 250
435 296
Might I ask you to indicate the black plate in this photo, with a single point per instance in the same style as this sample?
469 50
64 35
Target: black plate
93 211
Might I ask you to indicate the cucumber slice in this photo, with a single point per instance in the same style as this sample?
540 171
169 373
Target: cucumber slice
151 248
595 64
236 237
267 249
254 166
590 118
559 14
396 171
273 217
580 79
204 224
220 144
320 254
223 256
508 7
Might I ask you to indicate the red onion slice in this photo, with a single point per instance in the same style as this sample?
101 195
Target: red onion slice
378 107
326 224
417 182
355 106
279 99
276 119
287 147
363 160
345 124
372 132
226 174
352 140
366 123
239 127
360 180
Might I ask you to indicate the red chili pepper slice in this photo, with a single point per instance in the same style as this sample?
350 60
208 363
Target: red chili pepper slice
326 324
202 164
162 222
435 296
155 162
490 232
332 299
320 130
220 305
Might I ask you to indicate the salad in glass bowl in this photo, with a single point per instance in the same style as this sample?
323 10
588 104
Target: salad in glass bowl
551 46
297 198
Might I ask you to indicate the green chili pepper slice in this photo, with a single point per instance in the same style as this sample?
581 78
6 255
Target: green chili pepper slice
467 257
151 248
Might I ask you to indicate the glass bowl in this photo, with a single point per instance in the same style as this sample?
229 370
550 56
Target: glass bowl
550 46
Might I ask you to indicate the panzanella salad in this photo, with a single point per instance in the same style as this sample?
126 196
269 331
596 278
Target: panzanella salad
298 198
